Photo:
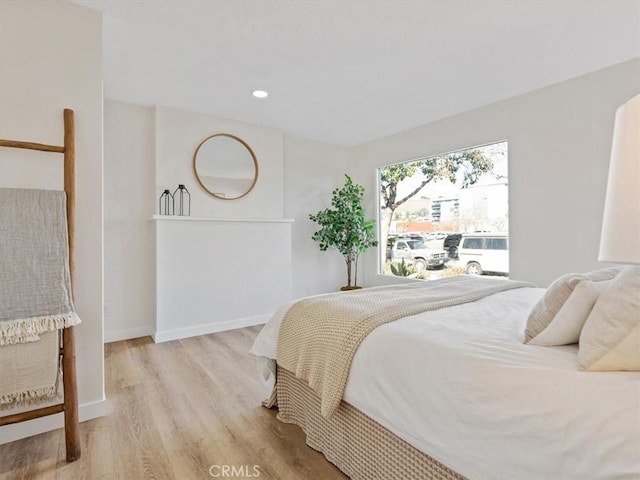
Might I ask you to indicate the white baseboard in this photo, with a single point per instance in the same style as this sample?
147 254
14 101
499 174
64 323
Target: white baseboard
16 431
179 333
127 334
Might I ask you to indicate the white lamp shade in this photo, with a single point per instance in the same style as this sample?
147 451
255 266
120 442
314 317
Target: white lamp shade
620 240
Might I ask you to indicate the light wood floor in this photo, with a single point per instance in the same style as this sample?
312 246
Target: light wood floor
178 409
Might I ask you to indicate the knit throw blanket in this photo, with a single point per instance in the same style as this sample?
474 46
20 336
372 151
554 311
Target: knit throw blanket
35 293
319 336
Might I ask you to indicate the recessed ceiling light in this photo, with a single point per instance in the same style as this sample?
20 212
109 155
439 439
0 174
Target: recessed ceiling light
260 94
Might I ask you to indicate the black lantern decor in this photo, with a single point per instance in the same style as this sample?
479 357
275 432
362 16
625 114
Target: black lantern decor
182 201
165 203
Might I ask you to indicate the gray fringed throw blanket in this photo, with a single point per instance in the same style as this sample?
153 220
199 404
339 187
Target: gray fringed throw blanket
35 291
35 287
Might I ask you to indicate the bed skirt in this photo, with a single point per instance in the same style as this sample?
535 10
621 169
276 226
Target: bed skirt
360 447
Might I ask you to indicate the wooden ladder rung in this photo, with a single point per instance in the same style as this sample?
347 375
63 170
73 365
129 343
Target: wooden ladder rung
31 414
31 146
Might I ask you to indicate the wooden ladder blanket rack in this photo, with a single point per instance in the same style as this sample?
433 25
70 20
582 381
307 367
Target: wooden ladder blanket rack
69 405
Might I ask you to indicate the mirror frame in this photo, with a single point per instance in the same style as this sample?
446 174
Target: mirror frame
246 145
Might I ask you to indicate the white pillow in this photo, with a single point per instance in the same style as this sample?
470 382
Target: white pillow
556 295
566 326
610 338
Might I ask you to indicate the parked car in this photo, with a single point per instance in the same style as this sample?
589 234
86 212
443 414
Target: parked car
451 243
415 252
484 252
392 237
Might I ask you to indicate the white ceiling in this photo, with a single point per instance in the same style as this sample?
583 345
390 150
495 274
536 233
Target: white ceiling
347 72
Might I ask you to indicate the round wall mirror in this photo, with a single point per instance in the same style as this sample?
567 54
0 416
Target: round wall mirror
225 166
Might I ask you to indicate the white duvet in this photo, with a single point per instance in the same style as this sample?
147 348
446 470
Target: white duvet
459 385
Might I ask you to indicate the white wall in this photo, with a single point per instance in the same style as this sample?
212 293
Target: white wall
51 59
559 145
236 273
312 171
215 275
231 265
178 134
129 192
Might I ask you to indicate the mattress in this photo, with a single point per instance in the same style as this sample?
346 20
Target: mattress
459 385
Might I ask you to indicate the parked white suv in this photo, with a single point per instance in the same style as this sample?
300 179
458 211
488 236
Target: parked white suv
484 252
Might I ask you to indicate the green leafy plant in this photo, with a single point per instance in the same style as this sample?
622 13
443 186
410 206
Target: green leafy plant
344 226
402 269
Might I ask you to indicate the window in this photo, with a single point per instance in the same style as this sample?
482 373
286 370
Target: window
435 202
473 243
413 244
498 244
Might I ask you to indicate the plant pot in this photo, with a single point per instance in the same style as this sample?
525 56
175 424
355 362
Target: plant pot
352 287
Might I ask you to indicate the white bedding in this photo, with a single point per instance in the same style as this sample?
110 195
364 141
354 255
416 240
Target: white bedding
477 399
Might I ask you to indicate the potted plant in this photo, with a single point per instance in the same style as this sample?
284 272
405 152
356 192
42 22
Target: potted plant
345 228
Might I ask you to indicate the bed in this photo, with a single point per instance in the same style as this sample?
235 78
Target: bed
455 393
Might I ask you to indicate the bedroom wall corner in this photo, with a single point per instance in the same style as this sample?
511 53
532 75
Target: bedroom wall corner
129 203
51 59
312 170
